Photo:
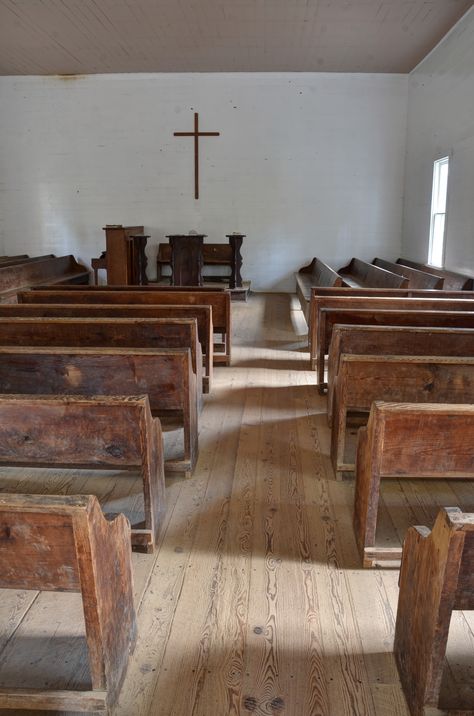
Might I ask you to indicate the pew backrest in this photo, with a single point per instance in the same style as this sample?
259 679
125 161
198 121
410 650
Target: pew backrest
317 273
361 273
452 280
80 552
55 270
416 278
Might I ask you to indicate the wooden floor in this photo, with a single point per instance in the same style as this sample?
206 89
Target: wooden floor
255 602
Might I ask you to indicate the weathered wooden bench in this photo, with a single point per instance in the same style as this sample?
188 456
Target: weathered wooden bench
103 332
363 379
64 543
317 273
359 273
91 432
436 577
166 376
452 280
350 293
219 301
376 311
201 314
416 278
411 440
394 340
55 270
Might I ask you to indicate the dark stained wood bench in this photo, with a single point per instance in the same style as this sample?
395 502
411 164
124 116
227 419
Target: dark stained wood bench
452 280
416 278
436 577
350 293
317 273
102 332
80 552
166 376
411 440
201 314
362 379
55 270
14 260
394 340
219 301
361 274
91 432
327 310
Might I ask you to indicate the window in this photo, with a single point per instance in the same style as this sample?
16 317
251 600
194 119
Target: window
438 212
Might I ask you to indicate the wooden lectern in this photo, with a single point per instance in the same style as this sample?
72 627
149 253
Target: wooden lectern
186 259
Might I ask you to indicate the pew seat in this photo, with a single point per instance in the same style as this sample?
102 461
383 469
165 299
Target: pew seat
166 376
407 440
93 433
360 274
436 577
80 552
317 273
363 379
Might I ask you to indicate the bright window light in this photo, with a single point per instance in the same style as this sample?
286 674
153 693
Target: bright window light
438 212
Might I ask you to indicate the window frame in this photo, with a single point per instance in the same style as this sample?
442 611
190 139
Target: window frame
437 165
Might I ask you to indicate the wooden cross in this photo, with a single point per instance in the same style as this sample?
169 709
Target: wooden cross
196 134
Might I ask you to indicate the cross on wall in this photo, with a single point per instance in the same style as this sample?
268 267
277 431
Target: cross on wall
196 134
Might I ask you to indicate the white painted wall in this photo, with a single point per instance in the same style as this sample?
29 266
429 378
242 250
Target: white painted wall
440 123
306 164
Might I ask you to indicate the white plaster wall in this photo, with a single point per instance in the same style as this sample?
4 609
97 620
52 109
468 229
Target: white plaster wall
306 164
440 123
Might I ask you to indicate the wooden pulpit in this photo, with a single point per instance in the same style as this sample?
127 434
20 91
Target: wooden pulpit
186 259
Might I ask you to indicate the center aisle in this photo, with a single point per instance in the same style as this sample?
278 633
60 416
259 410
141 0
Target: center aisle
257 602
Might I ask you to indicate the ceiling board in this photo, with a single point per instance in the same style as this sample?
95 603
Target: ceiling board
103 36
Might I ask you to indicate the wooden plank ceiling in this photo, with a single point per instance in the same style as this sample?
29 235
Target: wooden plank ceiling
43 37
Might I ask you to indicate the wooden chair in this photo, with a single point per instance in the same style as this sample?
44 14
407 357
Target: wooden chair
393 340
403 379
416 278
94 433
166 376
80 552
436 577
437 443
218 300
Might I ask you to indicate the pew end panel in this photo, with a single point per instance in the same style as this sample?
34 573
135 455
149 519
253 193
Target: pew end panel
436 578
85 553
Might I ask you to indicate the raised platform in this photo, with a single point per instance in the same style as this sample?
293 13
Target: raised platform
237 294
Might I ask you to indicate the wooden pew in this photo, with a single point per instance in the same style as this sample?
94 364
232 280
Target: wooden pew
218 300
317 273
359 273
334 310
363 379
80 552
14 260
201 314
55 270
416 278
166 376
91 432
349 293
102 332
394 340
411 440
436 578
452 280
